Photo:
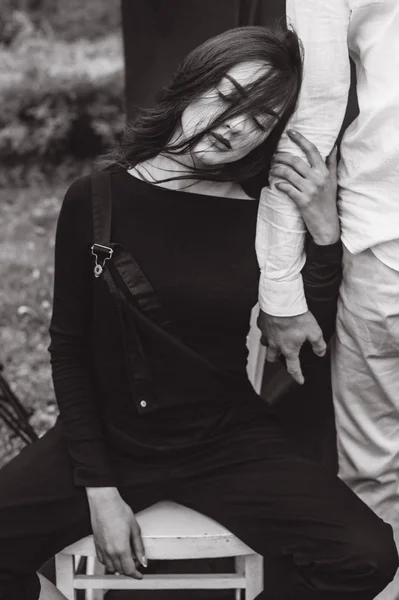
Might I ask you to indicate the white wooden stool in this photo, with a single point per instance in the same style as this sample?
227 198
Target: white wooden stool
170 531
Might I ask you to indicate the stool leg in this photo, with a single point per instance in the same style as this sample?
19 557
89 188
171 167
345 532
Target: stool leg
253 576
64 573
240 570
94 567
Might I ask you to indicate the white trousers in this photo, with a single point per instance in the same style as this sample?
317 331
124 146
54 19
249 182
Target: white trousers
365 372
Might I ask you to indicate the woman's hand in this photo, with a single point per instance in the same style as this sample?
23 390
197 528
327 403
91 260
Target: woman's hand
116 532
312 187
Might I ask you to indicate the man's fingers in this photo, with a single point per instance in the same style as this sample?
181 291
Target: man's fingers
317 341
272 354
319 346
294 368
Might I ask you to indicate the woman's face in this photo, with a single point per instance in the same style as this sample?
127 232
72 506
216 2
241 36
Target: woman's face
236 136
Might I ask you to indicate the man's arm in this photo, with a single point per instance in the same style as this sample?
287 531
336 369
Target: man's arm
322 27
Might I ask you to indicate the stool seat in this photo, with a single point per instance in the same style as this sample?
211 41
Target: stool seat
173 530
170 531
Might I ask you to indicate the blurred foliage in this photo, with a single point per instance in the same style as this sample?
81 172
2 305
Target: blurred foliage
68 20
59 101
62 98
61 84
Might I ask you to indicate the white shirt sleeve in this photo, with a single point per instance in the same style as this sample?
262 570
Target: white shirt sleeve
322 26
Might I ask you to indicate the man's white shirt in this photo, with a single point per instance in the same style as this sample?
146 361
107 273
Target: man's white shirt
368 174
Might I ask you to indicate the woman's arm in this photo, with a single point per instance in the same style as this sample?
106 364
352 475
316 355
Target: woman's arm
322 276
69 332
116 532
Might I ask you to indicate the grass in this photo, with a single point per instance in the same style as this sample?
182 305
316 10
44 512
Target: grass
27 227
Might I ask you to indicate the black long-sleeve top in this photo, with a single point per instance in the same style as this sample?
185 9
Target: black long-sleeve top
198 253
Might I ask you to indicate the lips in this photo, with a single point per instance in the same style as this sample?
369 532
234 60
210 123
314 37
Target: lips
221 139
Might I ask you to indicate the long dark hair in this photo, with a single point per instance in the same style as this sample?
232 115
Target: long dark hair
276 91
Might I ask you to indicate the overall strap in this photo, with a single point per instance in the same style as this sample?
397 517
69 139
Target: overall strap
103 250
102 214
123 267
101 207
137 288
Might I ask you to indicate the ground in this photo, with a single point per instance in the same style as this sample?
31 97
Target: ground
27 227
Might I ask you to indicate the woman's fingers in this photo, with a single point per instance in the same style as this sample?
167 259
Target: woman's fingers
287 173
108 562
121 561
312 154
128 565
298 197
137 543
100 555
104 558
296 163
313 190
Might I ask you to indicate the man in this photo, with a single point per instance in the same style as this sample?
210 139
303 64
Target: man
366 349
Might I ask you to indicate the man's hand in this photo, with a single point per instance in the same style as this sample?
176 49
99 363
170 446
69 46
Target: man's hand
285 335
116 532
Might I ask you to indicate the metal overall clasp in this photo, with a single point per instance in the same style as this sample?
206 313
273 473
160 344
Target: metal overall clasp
101 255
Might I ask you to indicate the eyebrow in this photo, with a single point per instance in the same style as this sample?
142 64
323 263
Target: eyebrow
242 91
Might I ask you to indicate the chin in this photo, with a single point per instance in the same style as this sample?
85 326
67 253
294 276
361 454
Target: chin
214 157
211 160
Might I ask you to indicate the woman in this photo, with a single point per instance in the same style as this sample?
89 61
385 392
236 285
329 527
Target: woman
152 388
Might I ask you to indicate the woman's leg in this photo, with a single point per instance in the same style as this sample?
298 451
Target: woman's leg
283 505
41 512
48 591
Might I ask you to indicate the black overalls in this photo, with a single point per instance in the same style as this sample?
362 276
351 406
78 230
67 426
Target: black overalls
154 398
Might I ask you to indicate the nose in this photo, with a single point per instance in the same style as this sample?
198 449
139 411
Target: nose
236 124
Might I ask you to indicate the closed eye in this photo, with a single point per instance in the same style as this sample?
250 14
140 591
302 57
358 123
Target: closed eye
259 125
224 97
233 98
